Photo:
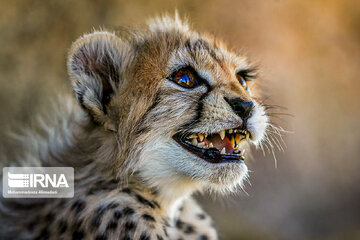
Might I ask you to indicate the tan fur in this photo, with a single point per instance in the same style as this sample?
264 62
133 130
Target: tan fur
120 140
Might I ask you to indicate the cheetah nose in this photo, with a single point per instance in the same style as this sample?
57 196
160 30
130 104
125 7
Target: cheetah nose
241 107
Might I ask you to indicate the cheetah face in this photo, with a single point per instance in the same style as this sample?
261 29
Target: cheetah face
206 116
181 107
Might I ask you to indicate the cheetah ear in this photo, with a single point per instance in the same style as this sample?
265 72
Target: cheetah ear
95 66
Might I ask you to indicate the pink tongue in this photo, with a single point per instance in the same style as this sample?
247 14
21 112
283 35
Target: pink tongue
220 144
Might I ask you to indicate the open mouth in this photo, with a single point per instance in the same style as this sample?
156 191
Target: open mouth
216 148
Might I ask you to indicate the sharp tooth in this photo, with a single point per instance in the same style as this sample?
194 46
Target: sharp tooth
201 137
192 136
222 134
202 144
194 141
230 131
232 141
223 151
237 138
205 134
211 145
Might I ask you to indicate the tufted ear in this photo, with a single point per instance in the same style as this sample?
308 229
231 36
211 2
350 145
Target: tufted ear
95 64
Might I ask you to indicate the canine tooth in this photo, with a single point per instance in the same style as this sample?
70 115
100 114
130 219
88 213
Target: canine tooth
194 141
211 145
222 134
201 137
230 131
223 151
237 138
205 134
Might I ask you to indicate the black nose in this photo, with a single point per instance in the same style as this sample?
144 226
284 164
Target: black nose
241 107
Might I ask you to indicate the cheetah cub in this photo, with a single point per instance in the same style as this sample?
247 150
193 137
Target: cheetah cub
159 114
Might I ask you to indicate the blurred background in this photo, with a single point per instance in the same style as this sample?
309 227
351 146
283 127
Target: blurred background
308 53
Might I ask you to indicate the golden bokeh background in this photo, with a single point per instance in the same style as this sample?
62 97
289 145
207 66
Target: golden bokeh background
308 53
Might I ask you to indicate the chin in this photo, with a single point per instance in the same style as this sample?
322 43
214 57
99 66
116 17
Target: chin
170 162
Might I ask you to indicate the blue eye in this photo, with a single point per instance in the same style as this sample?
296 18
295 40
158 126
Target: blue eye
185 78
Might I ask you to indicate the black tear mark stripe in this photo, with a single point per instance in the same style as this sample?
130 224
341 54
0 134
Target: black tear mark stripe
140 128
198 112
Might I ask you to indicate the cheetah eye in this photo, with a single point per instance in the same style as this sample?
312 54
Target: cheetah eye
185 78
242 81
244 76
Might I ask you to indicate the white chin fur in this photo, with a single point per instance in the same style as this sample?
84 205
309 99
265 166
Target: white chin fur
167 165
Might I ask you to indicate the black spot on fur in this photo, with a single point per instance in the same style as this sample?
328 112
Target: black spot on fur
126 190
128 211
99 212
31 225
201 216
144 201
165 231
156 204
112 225
78 235
117 214
189 229
62 226
179 224
203 237
78 205
129 226
126 237
44 234
49 217
148 217
144 236
112 205
101 237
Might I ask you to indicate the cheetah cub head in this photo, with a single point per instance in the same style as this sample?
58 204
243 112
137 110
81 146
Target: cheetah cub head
177 107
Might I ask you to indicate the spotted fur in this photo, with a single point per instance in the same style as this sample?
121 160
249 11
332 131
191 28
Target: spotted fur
133 181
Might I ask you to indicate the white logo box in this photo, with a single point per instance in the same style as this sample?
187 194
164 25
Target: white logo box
38 182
